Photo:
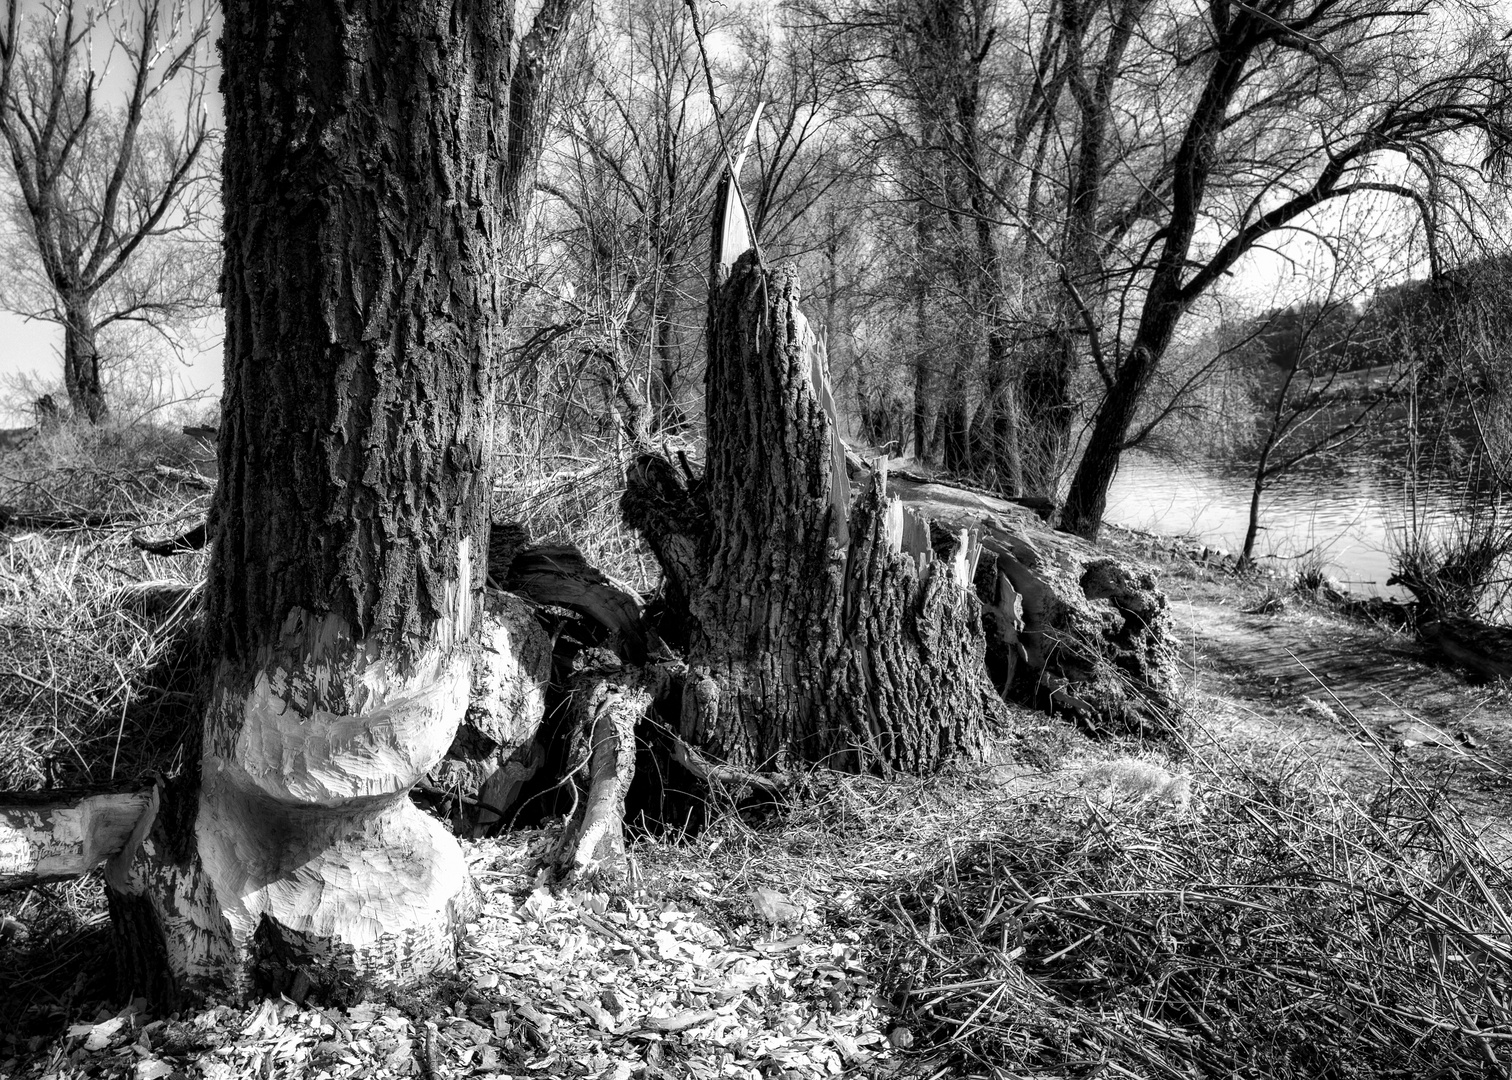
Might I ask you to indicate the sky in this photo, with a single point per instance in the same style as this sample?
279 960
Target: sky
31 351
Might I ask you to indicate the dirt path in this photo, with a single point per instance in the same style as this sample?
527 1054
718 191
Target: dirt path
1305 682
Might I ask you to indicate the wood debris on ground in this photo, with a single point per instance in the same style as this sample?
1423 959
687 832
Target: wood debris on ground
575 983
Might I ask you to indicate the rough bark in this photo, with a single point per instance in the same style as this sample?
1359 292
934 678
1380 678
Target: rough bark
375 157
81 362
1069 628
816 627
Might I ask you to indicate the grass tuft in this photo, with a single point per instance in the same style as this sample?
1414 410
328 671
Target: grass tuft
1277 927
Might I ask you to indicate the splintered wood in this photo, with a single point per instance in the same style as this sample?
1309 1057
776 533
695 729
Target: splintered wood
64 838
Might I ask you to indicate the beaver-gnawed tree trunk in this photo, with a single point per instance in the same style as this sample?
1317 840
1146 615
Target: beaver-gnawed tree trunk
815 626
377 155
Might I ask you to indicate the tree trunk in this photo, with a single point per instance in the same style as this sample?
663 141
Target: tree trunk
953 425
818 627
1004 442
1087 498
923 390
669 414
1045 395
376 155
81 361
1252 526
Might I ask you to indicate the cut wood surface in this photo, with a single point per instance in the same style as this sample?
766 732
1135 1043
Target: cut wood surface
55 835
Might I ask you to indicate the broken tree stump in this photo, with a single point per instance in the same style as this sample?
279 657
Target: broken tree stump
1070 627
816 626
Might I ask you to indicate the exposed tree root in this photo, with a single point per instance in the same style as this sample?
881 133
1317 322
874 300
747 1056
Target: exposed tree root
607 712
193 540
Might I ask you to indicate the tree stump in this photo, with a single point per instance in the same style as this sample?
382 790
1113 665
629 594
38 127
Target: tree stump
816 626
1070 628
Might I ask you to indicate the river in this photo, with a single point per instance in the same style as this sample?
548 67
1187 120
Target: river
1349 512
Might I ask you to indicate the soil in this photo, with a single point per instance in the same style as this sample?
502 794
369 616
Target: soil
1276 673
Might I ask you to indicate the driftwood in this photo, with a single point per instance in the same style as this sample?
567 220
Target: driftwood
55 835
1484 648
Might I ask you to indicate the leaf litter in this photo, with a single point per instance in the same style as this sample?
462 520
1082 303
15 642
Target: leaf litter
577 982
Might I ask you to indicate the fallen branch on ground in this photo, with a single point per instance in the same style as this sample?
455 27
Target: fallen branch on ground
61 834
11 517
193 540
185 476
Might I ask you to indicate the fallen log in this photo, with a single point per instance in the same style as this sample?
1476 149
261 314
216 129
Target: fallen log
558 575
1484 648
61 834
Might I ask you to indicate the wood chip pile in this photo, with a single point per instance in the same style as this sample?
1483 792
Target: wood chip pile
576 983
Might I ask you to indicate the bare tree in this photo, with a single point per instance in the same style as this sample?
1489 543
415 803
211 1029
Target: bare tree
113 202
1284 108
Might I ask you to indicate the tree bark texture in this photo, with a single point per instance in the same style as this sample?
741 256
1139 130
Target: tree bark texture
1070 629
375 156
81 362
817 627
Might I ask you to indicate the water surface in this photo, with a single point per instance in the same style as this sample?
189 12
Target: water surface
1351 513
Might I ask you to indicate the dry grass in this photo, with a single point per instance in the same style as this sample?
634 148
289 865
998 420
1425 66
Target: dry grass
99 670
77 468
1280 926
97 658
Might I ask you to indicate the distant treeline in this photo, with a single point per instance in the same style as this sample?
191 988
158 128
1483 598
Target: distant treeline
1452 327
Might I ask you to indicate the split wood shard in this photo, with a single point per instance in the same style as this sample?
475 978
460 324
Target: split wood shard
44 841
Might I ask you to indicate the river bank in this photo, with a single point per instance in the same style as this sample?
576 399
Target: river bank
1347 517
1236 895
1280 673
